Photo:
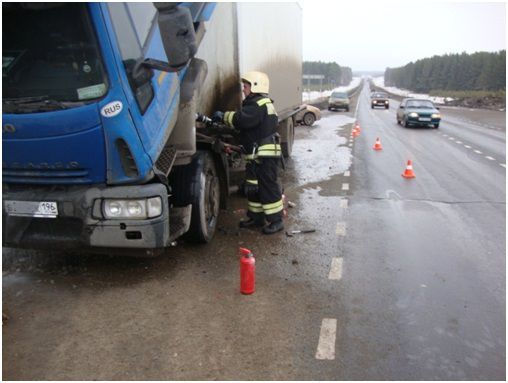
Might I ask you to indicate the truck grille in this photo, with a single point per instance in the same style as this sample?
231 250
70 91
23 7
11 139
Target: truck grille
45 176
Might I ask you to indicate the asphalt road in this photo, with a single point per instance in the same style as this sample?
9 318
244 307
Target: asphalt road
403 278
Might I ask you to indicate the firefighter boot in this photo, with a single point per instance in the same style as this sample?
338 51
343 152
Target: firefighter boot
251 223
273 227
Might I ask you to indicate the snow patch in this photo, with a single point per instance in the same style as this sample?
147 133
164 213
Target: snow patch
380 82
314 95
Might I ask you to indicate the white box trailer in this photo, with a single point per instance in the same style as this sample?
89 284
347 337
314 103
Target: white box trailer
267 37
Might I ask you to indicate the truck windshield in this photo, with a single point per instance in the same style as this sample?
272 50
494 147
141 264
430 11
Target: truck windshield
50 57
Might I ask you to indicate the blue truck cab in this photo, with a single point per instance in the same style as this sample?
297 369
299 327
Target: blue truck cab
99 143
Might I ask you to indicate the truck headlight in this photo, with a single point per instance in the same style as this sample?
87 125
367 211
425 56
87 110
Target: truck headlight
413 114
435 115
132 208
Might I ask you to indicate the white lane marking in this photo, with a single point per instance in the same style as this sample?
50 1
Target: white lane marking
336 269
341 229
345 186
467 146
451 138
477 152
445 135
347 173
350 145
327 335
458 142
490 158
503 165
343 203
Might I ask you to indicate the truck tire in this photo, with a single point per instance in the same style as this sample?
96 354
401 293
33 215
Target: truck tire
198 184
287 137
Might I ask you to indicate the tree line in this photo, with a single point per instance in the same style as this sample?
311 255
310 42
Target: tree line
455 72
335 75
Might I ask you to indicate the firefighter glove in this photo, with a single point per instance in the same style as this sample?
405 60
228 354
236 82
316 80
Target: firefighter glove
218 116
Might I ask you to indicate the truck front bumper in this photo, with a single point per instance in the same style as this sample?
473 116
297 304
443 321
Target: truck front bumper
80 223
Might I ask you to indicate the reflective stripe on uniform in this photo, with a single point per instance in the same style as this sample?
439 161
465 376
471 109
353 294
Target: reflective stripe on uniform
250 157
270 109
273 208
252 182
263 101
228 118
255 207
269 150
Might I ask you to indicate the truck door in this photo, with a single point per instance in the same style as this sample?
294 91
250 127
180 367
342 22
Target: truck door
152 105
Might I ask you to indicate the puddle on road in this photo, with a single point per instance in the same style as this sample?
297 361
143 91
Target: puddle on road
323 153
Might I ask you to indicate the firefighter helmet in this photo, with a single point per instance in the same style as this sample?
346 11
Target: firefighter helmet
259 82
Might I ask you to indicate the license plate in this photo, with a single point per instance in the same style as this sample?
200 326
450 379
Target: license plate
43 209
424 119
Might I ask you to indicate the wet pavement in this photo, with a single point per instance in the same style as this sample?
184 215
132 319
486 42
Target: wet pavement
409 274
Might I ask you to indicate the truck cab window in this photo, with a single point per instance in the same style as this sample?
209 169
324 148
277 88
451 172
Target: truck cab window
132 23
55 60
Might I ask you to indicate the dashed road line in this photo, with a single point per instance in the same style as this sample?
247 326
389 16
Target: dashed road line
336 269
345 186
343 203
474 150
341 229
327 336
347 173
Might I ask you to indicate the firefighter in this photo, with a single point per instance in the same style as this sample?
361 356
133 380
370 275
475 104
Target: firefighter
257 123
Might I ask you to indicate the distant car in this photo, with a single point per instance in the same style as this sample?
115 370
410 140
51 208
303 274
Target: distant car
338 100
309 115
418 112
379 99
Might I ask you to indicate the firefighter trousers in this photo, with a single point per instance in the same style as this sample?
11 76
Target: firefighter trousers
263 191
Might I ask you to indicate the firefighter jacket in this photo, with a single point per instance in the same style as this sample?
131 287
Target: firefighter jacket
257 123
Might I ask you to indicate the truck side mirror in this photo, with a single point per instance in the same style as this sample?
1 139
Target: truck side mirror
177 33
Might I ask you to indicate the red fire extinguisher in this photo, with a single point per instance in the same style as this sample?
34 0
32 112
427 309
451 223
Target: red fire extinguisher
247 271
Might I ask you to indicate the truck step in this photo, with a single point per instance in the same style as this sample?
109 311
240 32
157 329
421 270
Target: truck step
166 159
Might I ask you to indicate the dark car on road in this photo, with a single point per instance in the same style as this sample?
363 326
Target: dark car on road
418 112
379 99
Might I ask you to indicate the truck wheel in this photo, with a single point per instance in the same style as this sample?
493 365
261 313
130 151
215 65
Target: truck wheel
204 194
309 119
287 137
205 191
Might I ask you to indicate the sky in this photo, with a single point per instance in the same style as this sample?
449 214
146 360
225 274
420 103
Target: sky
373 35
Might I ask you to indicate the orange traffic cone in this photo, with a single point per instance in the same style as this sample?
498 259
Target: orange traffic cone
377 145
408 173
355 132
357 127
